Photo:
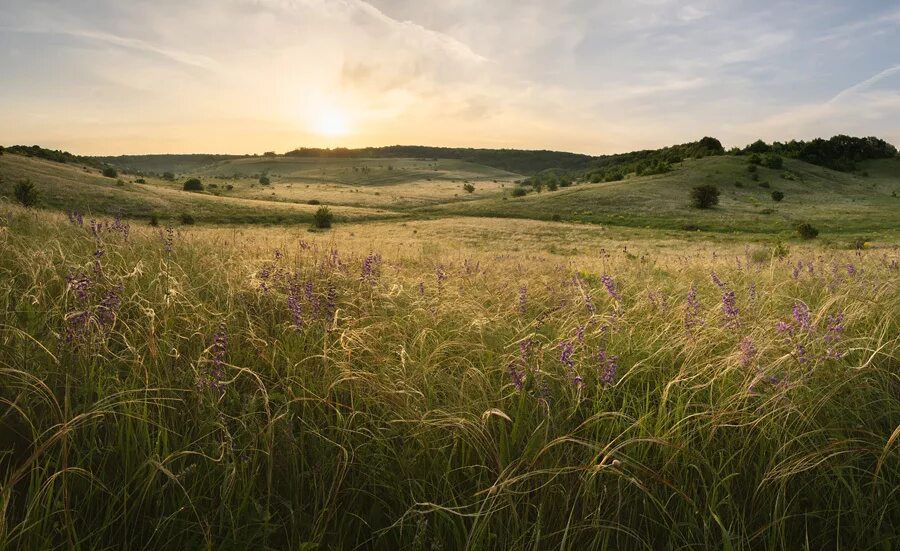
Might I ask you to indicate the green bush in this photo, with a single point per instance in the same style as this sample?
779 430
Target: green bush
110 172
777 196
314 202
774 162
154 220
807 231
264 180
26 194
323 218
754 160
187 219
705 196
193 185
469 188
519 192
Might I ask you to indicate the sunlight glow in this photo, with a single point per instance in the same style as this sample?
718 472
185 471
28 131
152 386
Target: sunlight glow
329 121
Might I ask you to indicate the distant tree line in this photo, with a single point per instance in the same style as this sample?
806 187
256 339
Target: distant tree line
55 155
837 153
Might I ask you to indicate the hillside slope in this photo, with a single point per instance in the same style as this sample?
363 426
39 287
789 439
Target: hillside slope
73 187
835 202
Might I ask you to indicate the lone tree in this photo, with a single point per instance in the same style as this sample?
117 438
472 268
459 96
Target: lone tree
25 193
110 172
193 185
705 197
807 231
777 196
323 217
264 180
470 188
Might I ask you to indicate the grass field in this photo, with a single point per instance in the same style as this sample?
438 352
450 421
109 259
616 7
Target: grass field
444 370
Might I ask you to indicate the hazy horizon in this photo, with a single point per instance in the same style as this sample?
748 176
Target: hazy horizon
242 76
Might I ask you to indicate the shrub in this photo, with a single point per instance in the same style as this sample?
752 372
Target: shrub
690 227
323 218
154 220
193 185
26 194
168 176
120 183
229 187
705 196
213 186
774 162
314 202
755 160
110 172
519 192
469 188
807 231
264 180
777 196
187 219
556 218
552 185
140 181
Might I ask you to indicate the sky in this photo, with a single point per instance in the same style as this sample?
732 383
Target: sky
600 76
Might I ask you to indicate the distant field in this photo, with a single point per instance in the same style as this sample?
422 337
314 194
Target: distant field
843 206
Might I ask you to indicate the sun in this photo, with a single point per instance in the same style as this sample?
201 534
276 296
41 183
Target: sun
329 121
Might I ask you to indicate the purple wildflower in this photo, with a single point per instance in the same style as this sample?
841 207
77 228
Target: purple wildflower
565 355
785 328
715 279
729 307
748 351
81 285
611 287
294 307
441 275
516 376
802 317
217 372
851 269
370 267
692 309
610 365
108 309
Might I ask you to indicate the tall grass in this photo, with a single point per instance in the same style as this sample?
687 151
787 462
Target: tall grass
201 390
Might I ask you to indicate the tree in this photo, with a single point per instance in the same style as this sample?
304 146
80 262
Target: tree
323 217
807 231
264 180
777 196
758 146
705 196
193 185
110 172
26 194
774 162
469 188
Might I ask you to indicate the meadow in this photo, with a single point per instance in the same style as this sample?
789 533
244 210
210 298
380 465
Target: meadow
437 381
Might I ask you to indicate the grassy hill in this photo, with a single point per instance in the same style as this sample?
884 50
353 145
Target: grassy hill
74 187
835 202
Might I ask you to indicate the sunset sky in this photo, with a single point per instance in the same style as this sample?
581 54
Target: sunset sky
237 76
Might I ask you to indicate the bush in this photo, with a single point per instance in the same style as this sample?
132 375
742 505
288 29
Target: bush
154 220
187 219
26 194
519 192
774 162
264 180
193 185
168 176
120 183
314 202
556 218
140 181
777 196
469 188
323 218
807 231
110 172
229 187
705 196
755 159
552 185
